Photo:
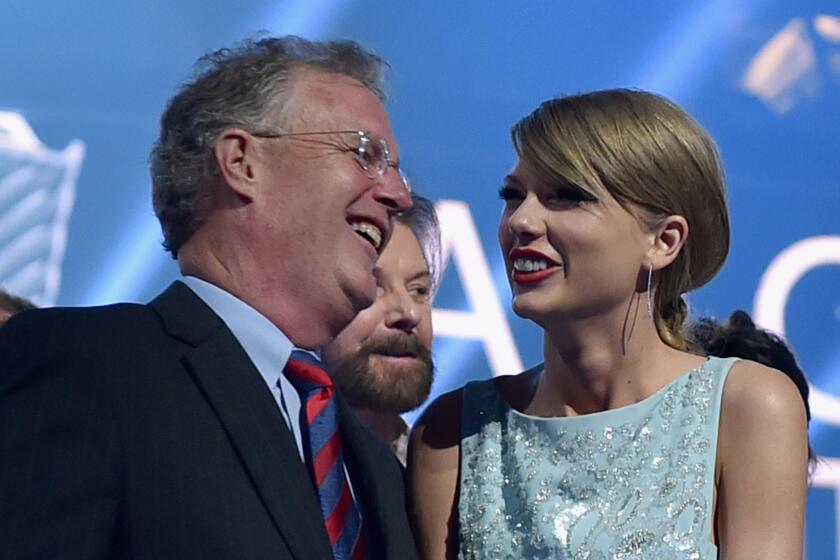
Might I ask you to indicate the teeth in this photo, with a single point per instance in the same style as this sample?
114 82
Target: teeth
370 232
529 265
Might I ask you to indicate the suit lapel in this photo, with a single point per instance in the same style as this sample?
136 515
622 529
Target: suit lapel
250 416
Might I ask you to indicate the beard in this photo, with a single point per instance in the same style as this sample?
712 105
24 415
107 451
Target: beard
373 384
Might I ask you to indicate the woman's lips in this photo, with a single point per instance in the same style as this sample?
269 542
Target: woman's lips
523 277
529 265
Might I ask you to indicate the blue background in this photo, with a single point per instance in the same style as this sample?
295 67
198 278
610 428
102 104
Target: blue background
463 72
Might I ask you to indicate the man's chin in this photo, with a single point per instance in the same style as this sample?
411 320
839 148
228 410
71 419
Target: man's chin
387 384
394 365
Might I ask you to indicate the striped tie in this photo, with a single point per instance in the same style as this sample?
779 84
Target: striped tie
322 450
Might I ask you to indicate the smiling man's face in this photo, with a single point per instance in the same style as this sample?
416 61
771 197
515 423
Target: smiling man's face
382 360
320 220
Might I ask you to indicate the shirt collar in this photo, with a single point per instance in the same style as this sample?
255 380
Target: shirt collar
267 346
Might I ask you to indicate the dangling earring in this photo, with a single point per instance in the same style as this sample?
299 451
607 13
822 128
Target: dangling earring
649 303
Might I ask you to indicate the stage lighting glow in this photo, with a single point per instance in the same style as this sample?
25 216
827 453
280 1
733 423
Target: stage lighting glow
132 264
690 45
308 18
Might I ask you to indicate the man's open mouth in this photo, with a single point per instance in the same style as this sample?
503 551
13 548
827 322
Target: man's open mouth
371 233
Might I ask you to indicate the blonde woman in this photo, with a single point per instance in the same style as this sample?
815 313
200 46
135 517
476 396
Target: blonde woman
623 443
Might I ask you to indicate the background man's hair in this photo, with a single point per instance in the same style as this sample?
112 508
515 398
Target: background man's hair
423 222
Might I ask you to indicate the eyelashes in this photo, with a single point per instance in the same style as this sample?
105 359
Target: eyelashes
561 194
571 195
509 193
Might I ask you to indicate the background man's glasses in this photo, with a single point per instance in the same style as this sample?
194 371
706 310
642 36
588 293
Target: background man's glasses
372 152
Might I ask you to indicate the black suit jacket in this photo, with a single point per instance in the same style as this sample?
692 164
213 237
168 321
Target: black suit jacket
144 431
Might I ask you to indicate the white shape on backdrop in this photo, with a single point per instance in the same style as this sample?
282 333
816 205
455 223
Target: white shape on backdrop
771 298
774 289
37 190
828 27
784 70
486 322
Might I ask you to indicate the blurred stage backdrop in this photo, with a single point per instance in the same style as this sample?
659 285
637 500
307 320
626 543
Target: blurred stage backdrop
83 85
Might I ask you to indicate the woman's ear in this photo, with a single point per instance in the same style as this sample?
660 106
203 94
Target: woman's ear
669 236
235 157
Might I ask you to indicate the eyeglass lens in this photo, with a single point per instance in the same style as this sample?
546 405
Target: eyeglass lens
374 154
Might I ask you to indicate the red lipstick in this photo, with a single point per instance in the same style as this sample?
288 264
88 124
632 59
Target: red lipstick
530 277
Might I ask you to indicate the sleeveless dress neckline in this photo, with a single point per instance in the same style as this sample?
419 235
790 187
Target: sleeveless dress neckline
630 483
602 413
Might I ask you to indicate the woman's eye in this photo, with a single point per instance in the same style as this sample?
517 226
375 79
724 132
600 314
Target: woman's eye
569 196
508 194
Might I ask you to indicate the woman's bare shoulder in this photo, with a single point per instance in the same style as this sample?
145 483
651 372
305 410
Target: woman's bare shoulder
763 462
762 417
755 390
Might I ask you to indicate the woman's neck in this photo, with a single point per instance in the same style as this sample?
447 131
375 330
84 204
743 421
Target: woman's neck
597 364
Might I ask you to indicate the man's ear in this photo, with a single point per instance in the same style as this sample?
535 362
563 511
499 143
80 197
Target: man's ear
235 151
669 236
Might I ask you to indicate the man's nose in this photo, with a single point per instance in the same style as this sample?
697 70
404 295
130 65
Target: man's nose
393 191
402 312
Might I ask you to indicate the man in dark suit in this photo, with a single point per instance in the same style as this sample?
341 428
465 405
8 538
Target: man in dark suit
179 429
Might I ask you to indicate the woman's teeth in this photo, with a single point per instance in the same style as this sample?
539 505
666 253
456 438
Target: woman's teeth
529 265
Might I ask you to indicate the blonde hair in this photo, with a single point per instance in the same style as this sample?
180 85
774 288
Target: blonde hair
656 161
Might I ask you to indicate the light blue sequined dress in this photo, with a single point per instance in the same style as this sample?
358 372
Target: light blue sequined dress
630 483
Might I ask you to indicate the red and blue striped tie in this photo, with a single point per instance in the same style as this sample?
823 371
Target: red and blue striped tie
322 450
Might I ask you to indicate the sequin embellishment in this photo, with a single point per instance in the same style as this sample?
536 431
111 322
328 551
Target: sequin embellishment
628 484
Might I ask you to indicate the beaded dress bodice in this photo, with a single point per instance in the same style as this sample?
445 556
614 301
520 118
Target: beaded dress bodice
630 483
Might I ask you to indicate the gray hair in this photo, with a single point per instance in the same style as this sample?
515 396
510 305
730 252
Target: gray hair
423 222
236 87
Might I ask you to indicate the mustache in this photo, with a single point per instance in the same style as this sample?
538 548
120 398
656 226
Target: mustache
387 388
397 345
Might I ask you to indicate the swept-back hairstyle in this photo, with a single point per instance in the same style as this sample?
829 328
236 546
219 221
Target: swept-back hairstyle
655 160
242 87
